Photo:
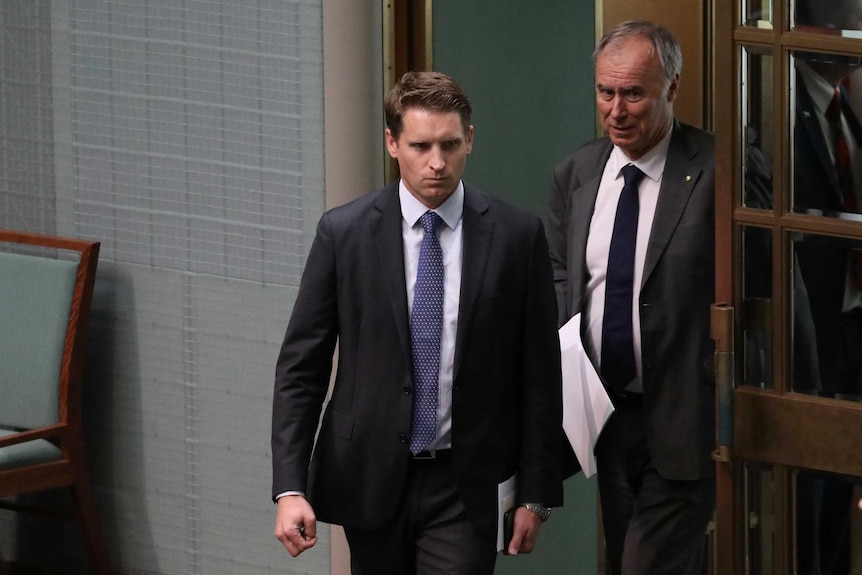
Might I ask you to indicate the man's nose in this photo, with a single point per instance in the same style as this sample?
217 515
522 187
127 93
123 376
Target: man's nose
618 106
436 161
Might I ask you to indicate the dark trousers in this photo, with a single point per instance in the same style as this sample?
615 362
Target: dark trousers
653 526
430 534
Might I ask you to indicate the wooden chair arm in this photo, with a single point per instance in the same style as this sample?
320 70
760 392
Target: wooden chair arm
56 430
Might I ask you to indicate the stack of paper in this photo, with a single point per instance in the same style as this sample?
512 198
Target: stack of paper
586 405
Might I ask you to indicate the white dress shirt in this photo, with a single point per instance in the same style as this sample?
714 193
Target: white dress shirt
599 243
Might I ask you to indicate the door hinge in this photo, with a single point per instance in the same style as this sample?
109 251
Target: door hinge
721 330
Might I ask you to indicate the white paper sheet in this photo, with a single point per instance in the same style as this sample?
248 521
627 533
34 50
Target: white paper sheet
506 493
586 405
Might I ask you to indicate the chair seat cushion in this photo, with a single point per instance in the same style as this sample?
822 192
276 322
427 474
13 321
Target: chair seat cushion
29 453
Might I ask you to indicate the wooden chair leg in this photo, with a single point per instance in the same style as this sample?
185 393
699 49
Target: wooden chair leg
85 511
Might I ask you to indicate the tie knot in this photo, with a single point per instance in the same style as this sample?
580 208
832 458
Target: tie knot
632 175
429 221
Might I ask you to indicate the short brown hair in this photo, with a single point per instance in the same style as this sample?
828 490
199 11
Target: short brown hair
432 91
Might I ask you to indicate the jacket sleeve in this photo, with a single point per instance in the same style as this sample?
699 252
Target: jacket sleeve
304 365
539 471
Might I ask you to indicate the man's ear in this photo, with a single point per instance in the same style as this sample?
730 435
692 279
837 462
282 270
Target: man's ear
391 144
673 89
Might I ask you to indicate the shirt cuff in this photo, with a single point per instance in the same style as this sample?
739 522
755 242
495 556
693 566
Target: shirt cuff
286 493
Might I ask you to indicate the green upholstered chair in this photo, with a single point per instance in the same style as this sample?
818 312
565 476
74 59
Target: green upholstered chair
46 286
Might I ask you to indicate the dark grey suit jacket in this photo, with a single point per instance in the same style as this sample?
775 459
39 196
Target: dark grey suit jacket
506 400
678 288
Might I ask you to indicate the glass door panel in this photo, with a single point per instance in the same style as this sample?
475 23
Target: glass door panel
835 17
828 538
826 133
757 13
758 144
757 317
827 317
759 504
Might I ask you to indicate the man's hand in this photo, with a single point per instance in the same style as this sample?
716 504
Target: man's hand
295 524
525 531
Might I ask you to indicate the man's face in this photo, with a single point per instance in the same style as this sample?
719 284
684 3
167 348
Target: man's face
634 99
432 151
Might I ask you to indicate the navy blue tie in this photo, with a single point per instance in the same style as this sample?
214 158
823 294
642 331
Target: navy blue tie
426 325
618 354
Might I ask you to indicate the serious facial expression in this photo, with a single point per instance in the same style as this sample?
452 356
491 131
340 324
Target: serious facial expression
431 151
634 97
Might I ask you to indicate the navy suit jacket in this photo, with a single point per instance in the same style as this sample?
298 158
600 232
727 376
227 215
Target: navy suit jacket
678 289
506 404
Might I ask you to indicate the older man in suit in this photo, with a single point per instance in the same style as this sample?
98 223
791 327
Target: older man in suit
448 383
637 259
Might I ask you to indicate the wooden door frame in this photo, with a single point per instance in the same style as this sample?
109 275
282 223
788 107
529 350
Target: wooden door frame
768 425
727 537
407 46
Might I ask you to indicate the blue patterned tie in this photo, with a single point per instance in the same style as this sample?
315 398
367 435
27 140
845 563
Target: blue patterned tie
426 325
618 354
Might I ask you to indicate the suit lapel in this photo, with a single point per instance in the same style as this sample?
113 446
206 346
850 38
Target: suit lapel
580 215
808 116
385 227
677 183
477 234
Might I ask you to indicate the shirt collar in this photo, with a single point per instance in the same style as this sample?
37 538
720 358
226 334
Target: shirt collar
449 211
651 163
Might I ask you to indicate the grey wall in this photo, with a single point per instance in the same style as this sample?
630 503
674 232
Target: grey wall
528 70
188 138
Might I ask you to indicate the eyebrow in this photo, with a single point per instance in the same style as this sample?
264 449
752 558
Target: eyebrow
630 88
442 141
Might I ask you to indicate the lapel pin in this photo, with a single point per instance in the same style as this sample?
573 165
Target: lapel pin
688 178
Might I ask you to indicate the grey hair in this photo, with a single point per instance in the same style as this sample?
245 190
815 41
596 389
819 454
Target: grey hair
663 43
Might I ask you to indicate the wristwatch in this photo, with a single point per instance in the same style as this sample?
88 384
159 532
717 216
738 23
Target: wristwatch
540 510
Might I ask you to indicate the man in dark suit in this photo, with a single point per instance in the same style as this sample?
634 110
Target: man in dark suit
656 477
410 504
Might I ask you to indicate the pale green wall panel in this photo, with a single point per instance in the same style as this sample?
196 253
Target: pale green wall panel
528 70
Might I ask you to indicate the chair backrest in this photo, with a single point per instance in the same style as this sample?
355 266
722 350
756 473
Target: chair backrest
44 305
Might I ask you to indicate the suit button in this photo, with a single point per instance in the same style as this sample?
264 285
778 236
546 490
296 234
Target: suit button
402 437
407 390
